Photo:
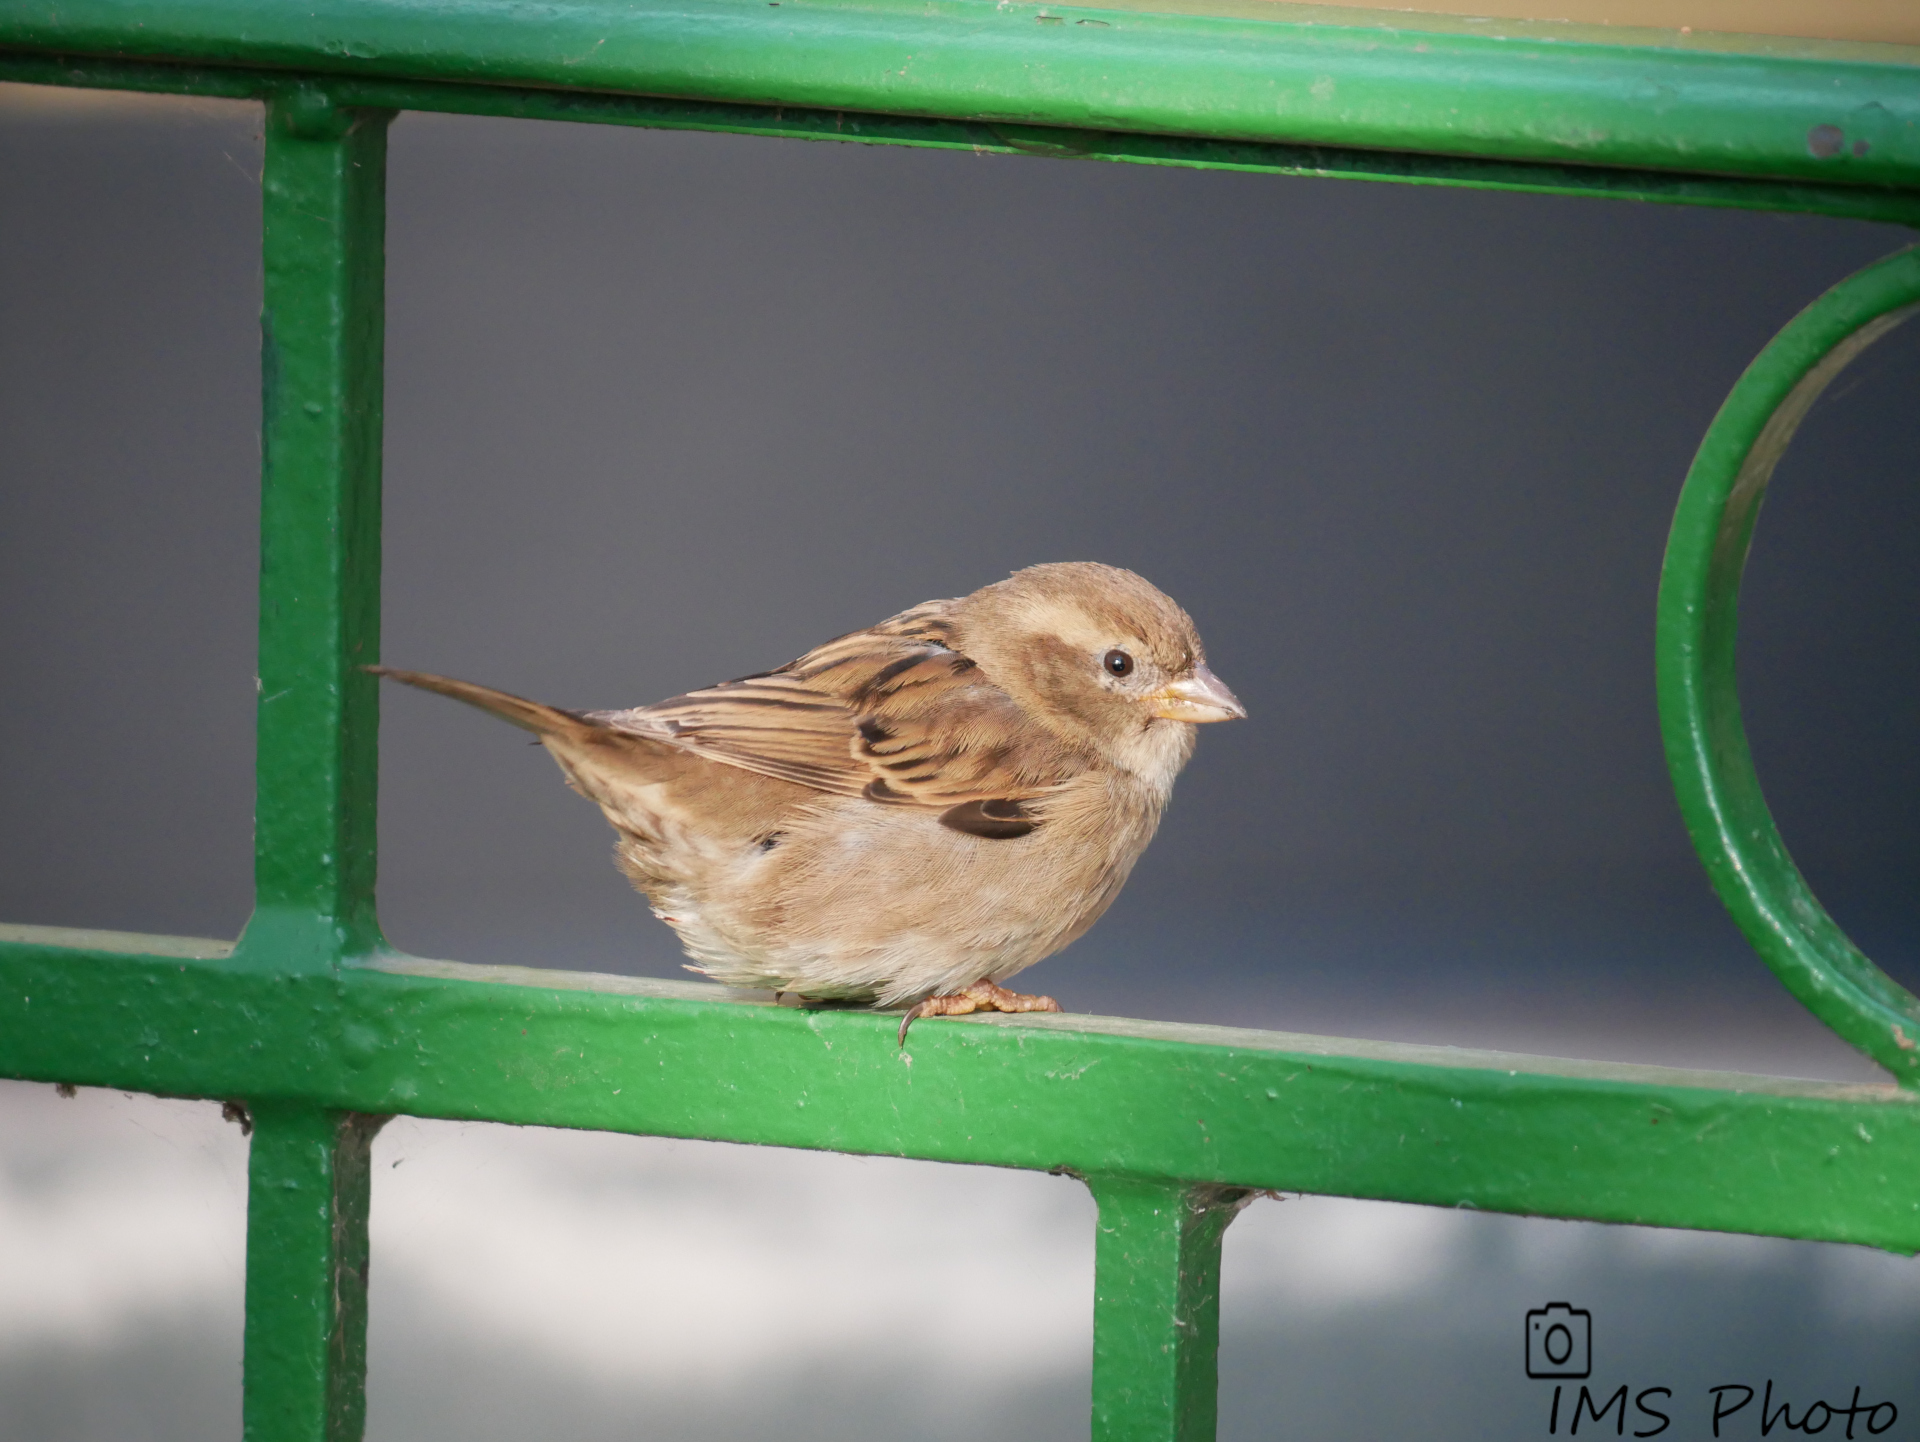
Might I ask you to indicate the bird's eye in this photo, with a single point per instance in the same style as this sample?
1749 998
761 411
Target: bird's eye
1117 662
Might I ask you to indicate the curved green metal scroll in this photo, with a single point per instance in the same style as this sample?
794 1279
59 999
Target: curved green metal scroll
1706 742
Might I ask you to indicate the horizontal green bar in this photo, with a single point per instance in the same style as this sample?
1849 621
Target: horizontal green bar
1850 202
1784 111
1084 1094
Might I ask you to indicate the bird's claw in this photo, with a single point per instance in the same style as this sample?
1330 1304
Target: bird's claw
981 996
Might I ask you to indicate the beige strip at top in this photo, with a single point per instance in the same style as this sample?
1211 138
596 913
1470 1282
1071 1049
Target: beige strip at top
1893 22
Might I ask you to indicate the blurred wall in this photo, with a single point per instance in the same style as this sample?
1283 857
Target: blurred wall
668 408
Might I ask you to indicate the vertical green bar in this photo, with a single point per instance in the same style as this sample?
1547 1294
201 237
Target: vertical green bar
1156 1308
306 1341
322 338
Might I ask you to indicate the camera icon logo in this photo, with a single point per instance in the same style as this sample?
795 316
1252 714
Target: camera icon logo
1559 1341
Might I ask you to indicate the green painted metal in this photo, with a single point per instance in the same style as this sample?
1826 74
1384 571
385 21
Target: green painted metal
322 328
1720 795
321 1030
1855 202
308 1189
1252 72
1157 1258
1096 1096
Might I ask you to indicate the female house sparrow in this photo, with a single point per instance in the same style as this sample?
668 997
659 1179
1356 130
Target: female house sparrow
911 813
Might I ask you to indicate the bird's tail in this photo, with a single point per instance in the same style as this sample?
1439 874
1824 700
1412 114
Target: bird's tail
534 716
610 766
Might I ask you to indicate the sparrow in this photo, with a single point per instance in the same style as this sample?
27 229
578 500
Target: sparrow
910 814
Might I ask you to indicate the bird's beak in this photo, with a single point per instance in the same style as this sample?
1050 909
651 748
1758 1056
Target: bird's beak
1197 696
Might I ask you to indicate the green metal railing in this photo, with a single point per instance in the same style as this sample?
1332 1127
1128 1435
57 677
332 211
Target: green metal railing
319 1030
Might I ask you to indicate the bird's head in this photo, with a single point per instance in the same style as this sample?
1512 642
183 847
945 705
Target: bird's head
1102 658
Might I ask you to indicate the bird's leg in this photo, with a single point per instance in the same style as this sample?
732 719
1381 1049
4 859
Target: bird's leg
983 995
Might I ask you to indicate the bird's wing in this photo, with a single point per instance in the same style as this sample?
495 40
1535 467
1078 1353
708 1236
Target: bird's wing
893 714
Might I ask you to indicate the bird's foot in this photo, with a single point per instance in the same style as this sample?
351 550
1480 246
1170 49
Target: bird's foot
981 996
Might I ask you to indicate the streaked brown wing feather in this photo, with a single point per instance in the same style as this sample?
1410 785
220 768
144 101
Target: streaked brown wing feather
772 725
892 714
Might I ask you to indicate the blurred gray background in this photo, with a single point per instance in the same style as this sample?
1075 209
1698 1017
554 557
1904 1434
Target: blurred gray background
664 409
